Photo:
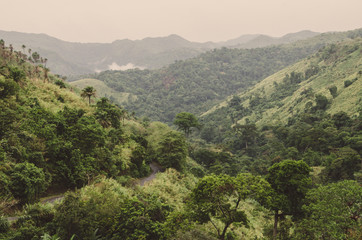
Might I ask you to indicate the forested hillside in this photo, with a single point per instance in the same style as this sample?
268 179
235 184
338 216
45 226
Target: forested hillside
245 178
329 81
197 84
310 111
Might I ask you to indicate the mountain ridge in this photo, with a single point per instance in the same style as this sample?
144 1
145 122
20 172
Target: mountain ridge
75 58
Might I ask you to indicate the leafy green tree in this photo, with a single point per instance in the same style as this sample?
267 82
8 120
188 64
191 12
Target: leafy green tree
332 211
219 197
8 88
108 114
333 91
247 134
16 74
185 121
27 182
210 198
341 119
88 92
346 163
321 102
137 220
172 152
35 56
87 134
290 181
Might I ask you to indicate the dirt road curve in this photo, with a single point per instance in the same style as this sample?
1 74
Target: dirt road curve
155 169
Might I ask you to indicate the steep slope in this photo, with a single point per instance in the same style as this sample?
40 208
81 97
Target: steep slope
197 84
53 140
69 58
330 80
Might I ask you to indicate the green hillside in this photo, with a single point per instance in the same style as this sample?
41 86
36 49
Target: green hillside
91 156
52 140
275 100
197 84
80 168
102 90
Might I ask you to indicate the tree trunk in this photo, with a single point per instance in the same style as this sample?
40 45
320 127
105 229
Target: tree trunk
276 215
222 236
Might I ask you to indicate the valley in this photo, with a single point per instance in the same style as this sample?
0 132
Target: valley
254 138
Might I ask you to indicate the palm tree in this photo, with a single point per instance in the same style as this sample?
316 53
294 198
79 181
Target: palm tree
46 71
88 92
23 47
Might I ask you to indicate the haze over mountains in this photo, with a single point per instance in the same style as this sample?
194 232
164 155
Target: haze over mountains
69 58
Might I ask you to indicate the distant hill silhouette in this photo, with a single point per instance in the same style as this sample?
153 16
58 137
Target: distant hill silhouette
70 58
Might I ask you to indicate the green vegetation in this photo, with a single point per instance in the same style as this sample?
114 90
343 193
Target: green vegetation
197 84
185 121
248 177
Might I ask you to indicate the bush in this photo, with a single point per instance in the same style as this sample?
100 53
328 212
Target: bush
60 83
347 83
27 182
4 224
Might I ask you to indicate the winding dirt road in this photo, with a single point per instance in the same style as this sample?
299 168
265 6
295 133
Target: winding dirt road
154 167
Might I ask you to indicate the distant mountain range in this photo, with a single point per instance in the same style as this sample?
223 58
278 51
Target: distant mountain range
69 58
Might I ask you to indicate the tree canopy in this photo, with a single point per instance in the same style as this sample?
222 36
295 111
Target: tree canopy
186 121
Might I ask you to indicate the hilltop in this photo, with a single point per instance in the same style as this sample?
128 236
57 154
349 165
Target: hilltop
68 58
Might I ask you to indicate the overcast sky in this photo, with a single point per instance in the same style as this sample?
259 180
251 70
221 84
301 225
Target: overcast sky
195 20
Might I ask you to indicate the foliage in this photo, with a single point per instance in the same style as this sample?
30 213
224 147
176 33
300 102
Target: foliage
302 88
108 114
8 87
185 121
290 181
172 151
88 92
219 197
197 84
4 225
27 181
332 212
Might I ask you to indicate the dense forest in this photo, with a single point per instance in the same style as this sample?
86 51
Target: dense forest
197 84
225 175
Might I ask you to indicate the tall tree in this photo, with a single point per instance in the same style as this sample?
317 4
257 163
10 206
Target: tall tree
185 121
36 57
88 92
218 197
23 47
172 152
290 181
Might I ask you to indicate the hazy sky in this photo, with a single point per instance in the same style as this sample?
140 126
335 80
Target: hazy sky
195 20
